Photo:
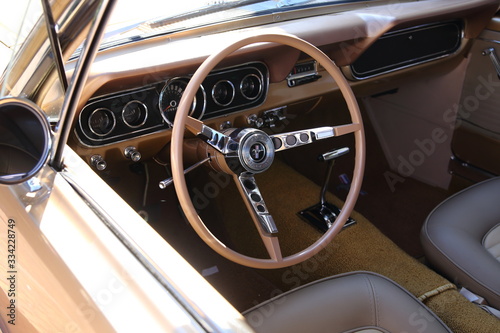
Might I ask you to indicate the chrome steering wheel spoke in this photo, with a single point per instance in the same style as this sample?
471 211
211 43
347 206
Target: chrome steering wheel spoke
260 215
255 203
220 142
295 139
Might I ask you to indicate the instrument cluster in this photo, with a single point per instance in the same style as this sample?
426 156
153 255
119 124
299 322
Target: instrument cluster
128 114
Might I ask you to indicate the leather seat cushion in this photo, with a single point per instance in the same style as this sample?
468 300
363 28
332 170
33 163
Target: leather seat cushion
454 235
354 302
492 242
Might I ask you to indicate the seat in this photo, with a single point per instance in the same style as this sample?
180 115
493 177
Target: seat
461 239
354 302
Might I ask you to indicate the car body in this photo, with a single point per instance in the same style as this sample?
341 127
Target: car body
91 243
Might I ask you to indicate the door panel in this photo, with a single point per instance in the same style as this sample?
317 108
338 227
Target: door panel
476 139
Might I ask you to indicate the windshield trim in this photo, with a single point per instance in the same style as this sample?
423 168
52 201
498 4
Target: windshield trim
75 88
55 43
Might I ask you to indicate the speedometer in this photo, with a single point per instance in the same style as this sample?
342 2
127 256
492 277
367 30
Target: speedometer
170 97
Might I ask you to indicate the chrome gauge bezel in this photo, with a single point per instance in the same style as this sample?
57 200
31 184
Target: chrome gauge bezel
143 119
197 109
92 129
260 85
232 92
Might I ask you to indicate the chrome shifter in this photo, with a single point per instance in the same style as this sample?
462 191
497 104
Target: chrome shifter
323 214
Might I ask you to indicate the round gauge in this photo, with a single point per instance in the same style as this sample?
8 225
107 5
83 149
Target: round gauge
251 86
170 97
134 114
223 93
102 121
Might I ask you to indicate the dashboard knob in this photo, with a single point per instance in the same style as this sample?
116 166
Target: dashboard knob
133 154
225 125
255 121
98 162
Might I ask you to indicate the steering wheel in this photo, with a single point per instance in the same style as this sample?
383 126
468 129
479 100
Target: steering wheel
244 152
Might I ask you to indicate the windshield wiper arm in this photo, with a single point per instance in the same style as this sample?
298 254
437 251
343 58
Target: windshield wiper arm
209 9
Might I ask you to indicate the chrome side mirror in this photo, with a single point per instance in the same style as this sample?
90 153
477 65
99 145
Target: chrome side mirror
25 140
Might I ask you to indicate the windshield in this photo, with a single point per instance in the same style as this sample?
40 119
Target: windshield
15 25
133 20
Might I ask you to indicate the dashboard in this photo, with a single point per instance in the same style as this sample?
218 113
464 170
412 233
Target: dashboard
132 102
128 114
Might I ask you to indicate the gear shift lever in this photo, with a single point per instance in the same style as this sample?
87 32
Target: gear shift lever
323 214
330 157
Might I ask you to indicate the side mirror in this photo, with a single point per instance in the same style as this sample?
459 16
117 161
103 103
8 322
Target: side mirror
25 140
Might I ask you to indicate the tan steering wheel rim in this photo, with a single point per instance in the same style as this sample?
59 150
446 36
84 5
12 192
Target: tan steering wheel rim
177 152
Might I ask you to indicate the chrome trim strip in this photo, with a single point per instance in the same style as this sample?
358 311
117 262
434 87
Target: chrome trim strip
120 136
489 40
398 68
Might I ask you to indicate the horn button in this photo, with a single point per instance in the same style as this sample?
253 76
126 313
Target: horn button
256 151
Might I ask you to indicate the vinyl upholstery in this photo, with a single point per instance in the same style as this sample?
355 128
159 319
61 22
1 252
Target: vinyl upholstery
461 235
353 302
492 242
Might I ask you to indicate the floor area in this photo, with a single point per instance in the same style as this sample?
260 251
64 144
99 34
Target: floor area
359 247
385 239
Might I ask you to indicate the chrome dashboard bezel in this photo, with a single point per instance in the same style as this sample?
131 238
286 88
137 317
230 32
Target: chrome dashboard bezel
92 140
79 131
